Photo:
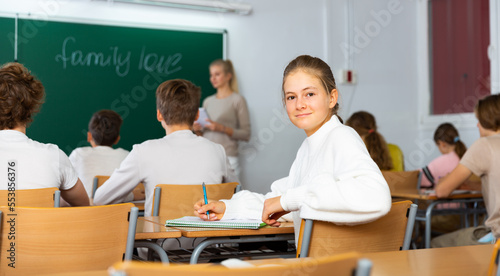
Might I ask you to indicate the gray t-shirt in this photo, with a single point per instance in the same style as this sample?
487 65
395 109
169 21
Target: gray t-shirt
231 111
483 159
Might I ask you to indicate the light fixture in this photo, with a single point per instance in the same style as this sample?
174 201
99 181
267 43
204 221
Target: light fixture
205 5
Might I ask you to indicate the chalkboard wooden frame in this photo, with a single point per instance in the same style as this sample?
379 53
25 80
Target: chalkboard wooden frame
88 66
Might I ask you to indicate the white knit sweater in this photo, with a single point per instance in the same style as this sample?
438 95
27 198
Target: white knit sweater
333 178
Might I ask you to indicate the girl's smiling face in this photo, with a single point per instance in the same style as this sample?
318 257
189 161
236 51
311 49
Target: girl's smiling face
307 102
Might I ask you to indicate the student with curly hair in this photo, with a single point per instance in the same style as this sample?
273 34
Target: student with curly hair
38 165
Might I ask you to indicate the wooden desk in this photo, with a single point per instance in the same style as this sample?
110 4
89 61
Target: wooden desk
147 232
462 260
150 230
414 194
220 236
189 232
192 232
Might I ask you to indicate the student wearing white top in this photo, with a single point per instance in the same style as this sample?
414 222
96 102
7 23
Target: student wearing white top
333 178
181 157
100 158
35 165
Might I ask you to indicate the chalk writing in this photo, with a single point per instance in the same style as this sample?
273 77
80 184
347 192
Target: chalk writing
119 60
160 64
75 57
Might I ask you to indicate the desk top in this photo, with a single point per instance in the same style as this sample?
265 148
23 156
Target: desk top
191 232
150 230
463 260
416 194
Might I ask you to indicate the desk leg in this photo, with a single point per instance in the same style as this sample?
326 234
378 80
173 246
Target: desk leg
204 244
428 217
152 245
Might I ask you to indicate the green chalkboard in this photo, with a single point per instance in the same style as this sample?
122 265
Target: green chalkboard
6 39
88 67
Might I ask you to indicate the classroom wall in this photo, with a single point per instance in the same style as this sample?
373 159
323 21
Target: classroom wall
385 51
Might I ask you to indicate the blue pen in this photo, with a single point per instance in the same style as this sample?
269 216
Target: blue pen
205 197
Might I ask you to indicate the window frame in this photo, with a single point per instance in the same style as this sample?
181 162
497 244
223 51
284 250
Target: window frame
467 120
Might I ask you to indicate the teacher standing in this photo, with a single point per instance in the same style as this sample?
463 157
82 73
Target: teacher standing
228 112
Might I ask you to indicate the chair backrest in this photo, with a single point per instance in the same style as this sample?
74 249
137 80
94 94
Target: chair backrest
391 232
43 197
49 240
173 201
397 157
343 264
100 179
494 268
405 180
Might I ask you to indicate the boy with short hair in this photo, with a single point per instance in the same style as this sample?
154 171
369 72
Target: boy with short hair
100 158
181 157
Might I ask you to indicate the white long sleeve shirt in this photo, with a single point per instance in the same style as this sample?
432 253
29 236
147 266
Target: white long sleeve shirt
333 178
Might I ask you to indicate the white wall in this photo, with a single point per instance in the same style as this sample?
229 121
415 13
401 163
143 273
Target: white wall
385 47
260 45
388 62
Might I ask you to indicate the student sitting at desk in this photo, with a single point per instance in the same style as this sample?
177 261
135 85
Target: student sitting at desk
452 149
483 159
181 157
333 178
450 146
365 125
100 158
35 165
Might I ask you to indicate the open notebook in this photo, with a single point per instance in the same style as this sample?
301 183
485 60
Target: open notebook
192 221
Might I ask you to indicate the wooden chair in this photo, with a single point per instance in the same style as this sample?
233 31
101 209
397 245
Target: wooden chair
397 157
43 197
405 180
49 240
391 232
346 264
100 179
493 268
173 201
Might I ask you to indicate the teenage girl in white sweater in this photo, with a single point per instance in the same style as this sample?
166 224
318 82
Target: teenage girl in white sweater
333 178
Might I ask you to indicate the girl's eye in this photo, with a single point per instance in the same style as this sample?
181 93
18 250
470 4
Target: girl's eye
290 98
310 94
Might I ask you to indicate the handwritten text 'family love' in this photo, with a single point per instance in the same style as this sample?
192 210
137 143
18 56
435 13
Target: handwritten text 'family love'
121 61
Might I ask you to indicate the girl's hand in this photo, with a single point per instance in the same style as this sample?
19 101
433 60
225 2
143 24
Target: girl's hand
215 208
273 211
